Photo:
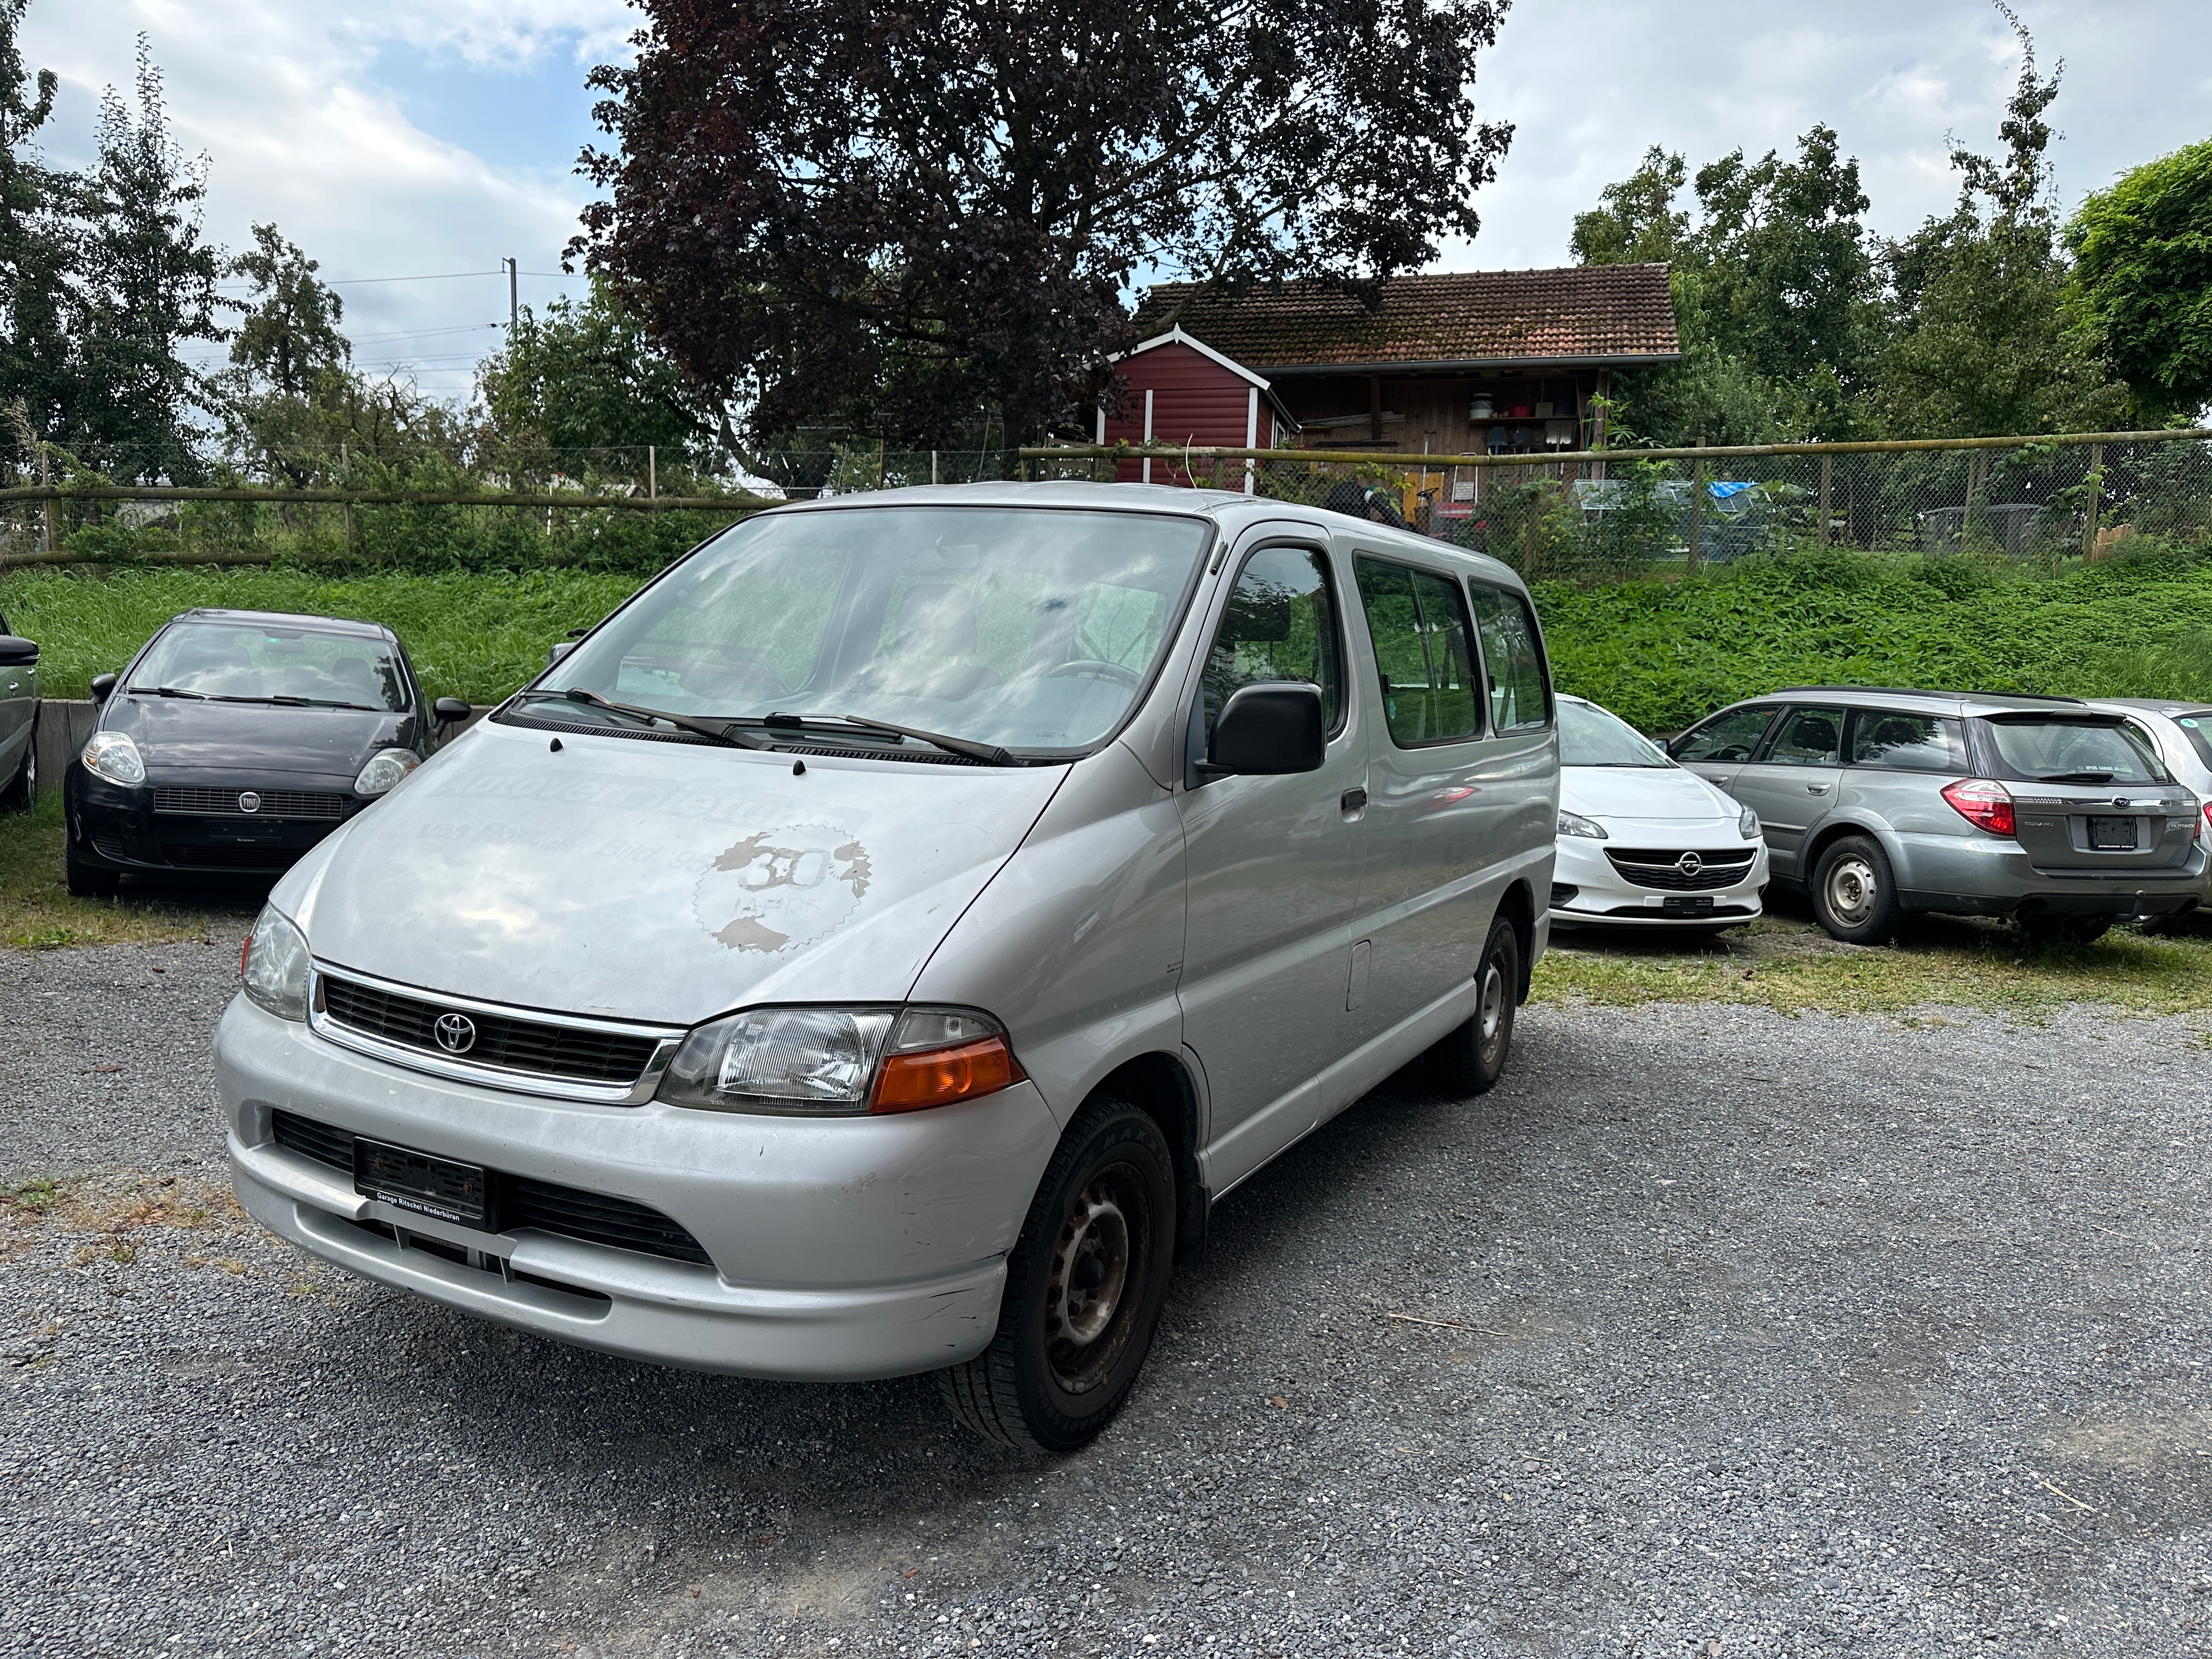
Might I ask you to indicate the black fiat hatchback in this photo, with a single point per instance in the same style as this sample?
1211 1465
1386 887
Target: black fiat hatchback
236 741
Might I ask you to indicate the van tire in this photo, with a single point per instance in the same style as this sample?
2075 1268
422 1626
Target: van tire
1106 1208
1854 891
1470 1061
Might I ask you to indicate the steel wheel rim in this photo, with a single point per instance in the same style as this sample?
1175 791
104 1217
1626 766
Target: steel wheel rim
1853 891
1490 1018
1098 1271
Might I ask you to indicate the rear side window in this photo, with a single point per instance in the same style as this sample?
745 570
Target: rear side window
1808 737
1423 646
1520 690
1280 624
2196 727
1729 737
2045 749
1907 743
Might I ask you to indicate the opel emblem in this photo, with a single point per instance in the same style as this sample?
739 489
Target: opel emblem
1689 864
456 1033
249 802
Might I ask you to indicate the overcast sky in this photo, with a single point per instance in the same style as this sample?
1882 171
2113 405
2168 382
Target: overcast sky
408 138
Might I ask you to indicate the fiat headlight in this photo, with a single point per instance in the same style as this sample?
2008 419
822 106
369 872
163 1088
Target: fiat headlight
112 756
273 967
1574 823
385 770
840 1062
1746 824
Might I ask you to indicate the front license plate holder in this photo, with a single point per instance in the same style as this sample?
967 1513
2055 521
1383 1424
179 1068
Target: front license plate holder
2112 836
436 1186
1701 901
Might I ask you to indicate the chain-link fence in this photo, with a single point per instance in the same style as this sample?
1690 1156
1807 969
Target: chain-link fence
1624 514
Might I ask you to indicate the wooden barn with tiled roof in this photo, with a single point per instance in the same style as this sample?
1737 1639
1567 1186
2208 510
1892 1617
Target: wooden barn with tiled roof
1501 361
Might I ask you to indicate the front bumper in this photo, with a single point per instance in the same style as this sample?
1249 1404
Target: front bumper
843 1248
114 826
1588 891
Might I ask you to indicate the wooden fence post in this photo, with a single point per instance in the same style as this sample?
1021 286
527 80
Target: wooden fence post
651 473
1827 493
345 482
2096 483
1697 517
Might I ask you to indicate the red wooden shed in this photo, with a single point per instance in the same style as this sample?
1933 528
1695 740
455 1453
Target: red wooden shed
1182 390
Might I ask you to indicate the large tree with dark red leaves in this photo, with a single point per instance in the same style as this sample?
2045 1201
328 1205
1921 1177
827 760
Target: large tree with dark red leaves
894 218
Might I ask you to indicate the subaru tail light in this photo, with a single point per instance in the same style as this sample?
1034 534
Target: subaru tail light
1985 803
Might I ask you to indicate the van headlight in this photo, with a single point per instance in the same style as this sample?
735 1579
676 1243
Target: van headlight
840 1062
112 756
1574 823
273 967
386 769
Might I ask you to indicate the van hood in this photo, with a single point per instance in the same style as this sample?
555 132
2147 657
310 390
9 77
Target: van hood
657 881
1652 793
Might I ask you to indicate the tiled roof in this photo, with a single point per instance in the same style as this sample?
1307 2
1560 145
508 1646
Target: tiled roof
1577 313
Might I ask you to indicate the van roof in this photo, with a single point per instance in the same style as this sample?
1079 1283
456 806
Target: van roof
1231 509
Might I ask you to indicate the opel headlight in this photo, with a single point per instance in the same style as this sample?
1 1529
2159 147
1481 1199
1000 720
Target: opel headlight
1746 824
1574 823
840 1062
274 966
112 756
386 769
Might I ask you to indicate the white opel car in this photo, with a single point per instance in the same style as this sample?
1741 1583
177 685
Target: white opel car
1642 842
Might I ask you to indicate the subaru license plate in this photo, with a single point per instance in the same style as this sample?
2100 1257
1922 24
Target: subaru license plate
409 1180
2112 835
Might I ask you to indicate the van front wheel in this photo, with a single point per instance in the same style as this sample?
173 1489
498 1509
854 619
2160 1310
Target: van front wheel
1472 1059
1084 1284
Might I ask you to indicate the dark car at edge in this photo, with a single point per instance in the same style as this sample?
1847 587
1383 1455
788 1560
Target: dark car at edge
237 740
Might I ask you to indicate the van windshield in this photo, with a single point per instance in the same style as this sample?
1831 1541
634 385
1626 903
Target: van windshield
1018 627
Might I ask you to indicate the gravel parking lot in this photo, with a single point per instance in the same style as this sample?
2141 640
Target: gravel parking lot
1717 1331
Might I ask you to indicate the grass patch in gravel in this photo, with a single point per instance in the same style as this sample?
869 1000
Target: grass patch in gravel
1790 966
39 912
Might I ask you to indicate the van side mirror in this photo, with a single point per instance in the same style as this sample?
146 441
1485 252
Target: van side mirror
450 711
101 686
1269 731
557 650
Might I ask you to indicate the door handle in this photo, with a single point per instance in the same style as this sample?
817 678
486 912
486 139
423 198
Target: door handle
1352 800
1816 788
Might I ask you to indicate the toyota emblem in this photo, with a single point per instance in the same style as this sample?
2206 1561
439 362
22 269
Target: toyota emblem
1689 864
249 802
456 1033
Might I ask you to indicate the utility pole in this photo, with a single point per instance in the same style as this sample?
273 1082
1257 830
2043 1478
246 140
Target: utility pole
513 302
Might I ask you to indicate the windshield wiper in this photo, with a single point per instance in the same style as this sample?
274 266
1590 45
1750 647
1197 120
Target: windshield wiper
727 735
166 691
990 753
2074 777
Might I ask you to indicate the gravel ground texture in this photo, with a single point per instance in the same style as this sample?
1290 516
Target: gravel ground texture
1709 1332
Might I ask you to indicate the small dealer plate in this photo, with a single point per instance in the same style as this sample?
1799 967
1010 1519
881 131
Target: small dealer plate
1701 901
409 1180
2112 835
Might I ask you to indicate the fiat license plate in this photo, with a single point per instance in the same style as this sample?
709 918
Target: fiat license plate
409 1180
2112 835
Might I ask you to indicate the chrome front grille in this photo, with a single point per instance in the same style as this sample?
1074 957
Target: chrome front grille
196 802
609 1060
1664 869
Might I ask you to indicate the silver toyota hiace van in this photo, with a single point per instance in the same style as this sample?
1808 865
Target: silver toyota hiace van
874 946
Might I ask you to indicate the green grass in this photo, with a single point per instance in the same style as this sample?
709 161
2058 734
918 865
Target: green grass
476 636
1938 962
1662 655
37 912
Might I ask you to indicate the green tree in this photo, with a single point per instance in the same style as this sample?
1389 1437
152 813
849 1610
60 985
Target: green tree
1637 224
146 287
35 243
1987 342
2143 278
290 333
585 375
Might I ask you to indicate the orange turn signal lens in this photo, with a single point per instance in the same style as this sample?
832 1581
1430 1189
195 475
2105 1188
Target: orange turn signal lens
910 1082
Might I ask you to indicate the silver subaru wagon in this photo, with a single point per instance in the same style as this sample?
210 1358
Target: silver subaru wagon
1878 802
873 949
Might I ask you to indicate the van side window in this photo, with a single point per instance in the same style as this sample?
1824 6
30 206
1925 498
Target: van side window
1280 623
1906 743
1417 621
1519 692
